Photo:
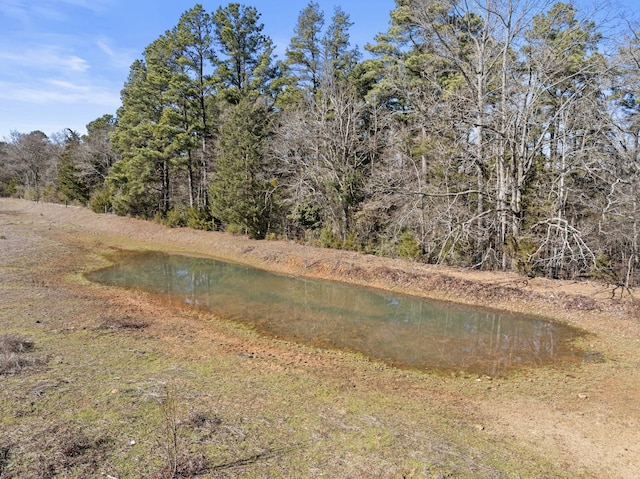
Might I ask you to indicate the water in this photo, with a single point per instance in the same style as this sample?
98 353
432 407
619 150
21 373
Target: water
400 330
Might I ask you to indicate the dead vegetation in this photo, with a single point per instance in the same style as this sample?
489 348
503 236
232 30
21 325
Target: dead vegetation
14 354
62 449
126 322
4 458
250 406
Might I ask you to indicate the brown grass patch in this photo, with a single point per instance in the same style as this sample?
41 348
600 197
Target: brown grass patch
13 358
123 323
67 448
12 343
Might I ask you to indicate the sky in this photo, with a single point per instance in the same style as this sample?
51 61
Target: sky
64 62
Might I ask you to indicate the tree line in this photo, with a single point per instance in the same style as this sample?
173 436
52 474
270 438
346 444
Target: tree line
494 134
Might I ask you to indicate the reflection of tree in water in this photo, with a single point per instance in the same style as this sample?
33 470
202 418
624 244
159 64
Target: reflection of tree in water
400 330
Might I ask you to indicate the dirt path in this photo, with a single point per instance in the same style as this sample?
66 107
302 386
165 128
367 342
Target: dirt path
582 420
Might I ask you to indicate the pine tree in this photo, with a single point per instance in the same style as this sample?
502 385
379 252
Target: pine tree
305 53
194 87
70 185
244 63
241 188
144 136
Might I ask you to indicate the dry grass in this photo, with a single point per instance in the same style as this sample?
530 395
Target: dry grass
123 323
61 449
13 343
14 358
250 406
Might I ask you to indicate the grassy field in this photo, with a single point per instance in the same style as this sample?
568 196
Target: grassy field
101 382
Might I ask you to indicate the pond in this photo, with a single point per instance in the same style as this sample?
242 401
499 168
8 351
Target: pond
400 330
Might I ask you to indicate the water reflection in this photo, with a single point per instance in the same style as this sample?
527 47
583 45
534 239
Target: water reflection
400 330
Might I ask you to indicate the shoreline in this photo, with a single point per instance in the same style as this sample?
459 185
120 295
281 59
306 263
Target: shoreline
110 355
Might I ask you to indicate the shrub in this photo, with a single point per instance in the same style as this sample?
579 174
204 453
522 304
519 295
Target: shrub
176 218
124 323
328 239
12 343
73 453
199 218
521 251
179 459
235 229
5 452
100 201
49 194
409 247
12 350
351 242
29 194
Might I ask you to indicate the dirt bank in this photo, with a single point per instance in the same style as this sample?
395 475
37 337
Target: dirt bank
297 411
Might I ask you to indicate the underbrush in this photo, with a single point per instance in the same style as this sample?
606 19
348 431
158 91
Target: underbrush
236 404
14 357
123 323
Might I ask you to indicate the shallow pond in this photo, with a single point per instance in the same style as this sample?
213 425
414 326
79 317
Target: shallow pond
400 330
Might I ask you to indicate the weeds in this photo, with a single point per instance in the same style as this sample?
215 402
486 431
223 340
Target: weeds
5 451
169 434
60 449
70 449
12 343
179 460
201 420
12 354
124 323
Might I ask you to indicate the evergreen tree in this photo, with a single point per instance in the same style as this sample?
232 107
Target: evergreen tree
244 63
622 241
305 53
241 185
98 152
419 182
340 59
321 136
315 56
194 87
70 185
562 52
242 188
145 137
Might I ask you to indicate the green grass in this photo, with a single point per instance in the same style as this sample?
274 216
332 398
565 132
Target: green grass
113 394
97 409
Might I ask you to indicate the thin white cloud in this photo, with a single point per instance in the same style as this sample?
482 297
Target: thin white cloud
13 8
44 57
66 85
106 48
57 91
18 12
97 6
24 10
120 58
48 12
73 63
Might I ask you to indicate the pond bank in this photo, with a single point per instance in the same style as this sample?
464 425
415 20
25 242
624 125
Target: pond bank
296 411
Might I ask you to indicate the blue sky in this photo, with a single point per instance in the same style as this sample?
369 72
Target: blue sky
64 62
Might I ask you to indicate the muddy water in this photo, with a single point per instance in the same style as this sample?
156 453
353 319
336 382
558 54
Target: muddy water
400 330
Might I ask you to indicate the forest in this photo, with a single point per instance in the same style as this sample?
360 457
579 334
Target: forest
490 134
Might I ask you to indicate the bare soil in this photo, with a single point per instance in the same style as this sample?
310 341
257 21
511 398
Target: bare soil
356 418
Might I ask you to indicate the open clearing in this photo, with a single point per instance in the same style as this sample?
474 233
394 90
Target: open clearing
100 382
